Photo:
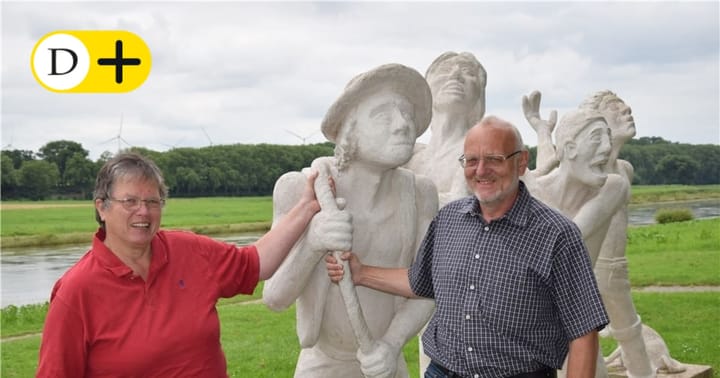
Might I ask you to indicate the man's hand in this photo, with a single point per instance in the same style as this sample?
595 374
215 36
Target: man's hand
335 267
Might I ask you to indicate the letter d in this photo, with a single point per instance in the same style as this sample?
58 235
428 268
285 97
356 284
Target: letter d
68 59
54 61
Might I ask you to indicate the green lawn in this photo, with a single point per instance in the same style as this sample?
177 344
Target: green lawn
32 223
683 253
46 217
642 194
262 343
73 222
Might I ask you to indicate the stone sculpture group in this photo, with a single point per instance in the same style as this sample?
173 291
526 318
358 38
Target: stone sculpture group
393 187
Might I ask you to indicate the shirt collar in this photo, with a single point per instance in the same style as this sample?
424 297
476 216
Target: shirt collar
112 263
517 215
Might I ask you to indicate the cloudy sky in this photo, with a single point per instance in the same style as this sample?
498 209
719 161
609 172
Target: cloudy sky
266 72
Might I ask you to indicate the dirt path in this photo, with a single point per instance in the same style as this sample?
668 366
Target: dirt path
676 289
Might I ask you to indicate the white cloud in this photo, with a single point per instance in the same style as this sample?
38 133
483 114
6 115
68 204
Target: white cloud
240 72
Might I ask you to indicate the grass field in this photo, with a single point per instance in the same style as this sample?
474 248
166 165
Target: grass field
683 254
69 222
667 193
262 343
33 218
27 223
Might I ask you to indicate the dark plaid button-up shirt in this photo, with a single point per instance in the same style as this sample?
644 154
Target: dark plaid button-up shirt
510 294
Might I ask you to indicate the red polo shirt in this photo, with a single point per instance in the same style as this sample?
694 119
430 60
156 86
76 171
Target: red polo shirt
103 321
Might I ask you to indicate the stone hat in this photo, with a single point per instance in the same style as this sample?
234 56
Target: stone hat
403 80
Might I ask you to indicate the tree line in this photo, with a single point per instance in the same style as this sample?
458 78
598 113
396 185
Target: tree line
62 169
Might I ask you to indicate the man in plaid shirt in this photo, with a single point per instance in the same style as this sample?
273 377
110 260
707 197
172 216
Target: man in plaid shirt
512 280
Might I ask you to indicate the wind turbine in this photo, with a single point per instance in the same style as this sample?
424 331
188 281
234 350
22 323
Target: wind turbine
9 145
303 138
119 137
206 135
172 146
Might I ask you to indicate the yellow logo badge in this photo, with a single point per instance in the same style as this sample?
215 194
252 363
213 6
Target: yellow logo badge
91 61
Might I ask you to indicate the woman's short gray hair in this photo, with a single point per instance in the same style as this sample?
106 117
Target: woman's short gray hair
123 166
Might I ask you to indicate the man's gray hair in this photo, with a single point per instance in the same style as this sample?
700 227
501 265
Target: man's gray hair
495 121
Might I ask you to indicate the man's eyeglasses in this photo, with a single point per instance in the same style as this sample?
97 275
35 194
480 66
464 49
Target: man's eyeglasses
132 203
489 160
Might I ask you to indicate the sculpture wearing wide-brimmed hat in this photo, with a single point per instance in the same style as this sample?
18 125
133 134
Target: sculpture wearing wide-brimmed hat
343 332
398 78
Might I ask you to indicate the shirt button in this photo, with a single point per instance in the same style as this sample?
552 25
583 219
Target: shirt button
477 256
476 376
472 287
467 317
469 349
487 228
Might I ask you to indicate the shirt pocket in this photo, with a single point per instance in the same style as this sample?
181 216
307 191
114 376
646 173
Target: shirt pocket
513 300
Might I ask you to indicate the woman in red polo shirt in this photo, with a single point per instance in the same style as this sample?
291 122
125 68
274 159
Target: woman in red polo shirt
141 301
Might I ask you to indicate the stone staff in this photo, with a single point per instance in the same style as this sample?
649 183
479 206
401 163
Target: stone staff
327 201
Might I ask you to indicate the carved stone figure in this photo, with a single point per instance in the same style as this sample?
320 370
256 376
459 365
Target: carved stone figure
611 269
657 350
374 124
580 187
610 262
457 82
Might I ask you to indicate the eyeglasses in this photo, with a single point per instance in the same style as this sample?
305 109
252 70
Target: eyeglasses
490 160
133 203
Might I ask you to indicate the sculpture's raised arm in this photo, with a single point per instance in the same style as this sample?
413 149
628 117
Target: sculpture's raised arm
546 160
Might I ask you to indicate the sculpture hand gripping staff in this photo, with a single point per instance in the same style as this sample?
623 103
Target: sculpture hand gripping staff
347 289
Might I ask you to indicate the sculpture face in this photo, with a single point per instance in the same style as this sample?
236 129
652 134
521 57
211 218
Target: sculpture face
455 81
592 148
492 184
620 120
386 130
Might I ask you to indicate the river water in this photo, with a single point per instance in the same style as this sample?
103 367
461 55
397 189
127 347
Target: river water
28 274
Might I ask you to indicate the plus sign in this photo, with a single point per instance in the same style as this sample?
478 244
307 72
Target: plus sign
119 61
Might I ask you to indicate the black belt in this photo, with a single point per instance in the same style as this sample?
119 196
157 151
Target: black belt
448 373
542 373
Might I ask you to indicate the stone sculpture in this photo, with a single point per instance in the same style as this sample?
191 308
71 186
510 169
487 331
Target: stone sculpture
611 269
579 187
657 350
457 82
374 124
609 255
